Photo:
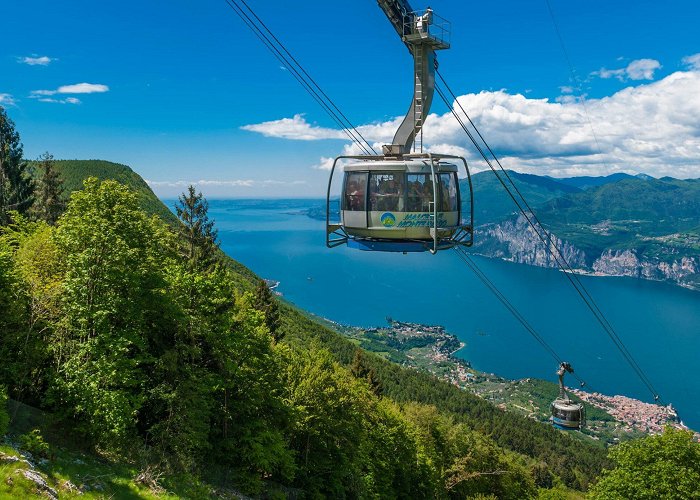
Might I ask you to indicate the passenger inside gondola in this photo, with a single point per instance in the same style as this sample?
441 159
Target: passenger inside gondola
449 202
355 192
415 193
386 192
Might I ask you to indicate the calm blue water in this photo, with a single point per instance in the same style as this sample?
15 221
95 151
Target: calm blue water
659 323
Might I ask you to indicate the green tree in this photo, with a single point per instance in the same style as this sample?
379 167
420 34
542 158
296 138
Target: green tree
360 369
464 462
199 245
112 294
217 388
328 426
36 289
177 413
16 186
251 414
664 466
394 465
265 302
49 202
13 304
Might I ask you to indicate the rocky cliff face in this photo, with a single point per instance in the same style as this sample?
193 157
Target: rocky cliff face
516 241
683 271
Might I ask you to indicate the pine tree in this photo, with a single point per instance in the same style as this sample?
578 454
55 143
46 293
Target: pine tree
359 370
198 236
265 302
16 187
49 202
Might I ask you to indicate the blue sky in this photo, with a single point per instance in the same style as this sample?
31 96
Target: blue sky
168 86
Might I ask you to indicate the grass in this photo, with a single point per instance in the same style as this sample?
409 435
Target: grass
12 483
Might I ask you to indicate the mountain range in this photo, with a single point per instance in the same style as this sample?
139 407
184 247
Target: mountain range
619 225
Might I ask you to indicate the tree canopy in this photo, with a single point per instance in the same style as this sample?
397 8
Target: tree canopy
16 186
140 335
663 466
49 202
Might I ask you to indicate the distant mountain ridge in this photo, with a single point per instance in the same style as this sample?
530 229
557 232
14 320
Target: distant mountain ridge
618 225
586 182
492 203
74 172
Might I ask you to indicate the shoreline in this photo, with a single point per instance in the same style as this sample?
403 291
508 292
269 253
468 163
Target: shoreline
432 349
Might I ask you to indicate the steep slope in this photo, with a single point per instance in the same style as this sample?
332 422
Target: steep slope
74 172
573 460
576 463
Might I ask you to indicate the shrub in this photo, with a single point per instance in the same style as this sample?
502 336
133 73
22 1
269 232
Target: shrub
34 443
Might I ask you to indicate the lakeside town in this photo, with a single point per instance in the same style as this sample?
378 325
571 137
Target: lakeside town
431 348
645 417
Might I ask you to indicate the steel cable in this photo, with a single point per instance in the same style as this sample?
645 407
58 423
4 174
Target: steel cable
550 245
278 50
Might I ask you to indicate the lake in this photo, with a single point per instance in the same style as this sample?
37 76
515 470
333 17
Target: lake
659 323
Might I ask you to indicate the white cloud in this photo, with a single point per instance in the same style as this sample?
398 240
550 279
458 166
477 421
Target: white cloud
35 60
202 182
7 100
83 88
692 62
78 88
352 149
610 73
325 163
651 128
570 99
67 100
296 128
640 69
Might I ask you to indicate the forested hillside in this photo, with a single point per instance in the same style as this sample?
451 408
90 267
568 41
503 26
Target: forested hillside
141 362
129 333
632 213
616 225
492 203
74 172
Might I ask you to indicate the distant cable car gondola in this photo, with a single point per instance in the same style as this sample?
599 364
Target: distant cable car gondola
567 414
401 201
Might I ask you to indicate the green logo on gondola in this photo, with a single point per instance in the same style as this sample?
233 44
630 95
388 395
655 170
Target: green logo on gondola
388 219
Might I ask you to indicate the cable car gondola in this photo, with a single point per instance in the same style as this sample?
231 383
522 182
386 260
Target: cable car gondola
401 201
410 203
567 414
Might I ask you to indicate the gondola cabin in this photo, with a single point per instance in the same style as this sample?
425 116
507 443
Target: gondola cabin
567 414
411 204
